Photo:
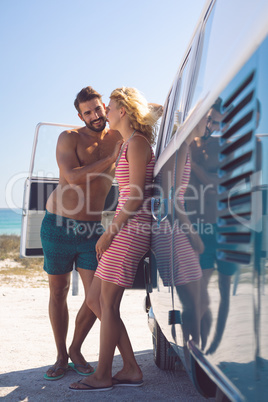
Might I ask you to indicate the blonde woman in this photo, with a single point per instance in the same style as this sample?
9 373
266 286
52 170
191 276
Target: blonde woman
126 240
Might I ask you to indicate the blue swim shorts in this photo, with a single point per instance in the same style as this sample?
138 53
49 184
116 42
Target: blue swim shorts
67 241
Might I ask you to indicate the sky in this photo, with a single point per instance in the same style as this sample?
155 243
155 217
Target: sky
51 49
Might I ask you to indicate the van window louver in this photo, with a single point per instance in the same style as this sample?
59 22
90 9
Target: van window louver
228 184
236 162
237 144
233 256
247 81
240 199
228 220
239 125
236 167
238 108
234 237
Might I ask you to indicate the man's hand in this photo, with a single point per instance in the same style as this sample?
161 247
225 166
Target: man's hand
69 164
158 109
117 150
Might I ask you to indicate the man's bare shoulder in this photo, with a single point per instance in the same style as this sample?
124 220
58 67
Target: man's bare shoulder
114 134
74 133
68 137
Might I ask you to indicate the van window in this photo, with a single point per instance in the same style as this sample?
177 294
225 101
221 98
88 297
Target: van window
202 57
174 117
161 132
174 113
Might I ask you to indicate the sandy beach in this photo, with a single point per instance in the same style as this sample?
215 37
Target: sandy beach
27 350
27 343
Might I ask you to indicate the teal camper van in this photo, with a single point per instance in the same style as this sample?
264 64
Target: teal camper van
207 300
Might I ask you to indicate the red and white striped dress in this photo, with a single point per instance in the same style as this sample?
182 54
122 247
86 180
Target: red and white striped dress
120 261
186 259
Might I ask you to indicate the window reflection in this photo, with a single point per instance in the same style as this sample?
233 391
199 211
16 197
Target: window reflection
161 134
194 230
201 62
174 114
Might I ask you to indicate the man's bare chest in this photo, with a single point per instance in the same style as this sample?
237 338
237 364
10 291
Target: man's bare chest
92 151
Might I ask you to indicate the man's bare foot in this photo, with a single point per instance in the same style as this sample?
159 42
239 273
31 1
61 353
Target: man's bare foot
57 371
80 365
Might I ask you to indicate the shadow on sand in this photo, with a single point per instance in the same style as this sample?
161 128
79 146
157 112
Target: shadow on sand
30 385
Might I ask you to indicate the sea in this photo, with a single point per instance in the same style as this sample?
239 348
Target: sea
10 221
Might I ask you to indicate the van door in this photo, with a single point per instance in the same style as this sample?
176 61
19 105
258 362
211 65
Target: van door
42 180
162 204
161 246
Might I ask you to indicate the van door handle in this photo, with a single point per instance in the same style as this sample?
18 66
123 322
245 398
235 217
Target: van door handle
156 209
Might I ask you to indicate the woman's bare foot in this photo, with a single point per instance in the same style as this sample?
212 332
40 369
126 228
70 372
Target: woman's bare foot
131 374
92 382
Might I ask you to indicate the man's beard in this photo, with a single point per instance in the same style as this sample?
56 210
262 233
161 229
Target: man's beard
207 134
93 128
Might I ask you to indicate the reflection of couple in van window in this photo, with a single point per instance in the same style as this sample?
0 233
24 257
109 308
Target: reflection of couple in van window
194 255
205 150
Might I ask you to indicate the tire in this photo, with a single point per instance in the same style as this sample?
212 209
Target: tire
164 355
204 385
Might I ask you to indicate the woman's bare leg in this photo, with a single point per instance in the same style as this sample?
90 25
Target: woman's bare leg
112 333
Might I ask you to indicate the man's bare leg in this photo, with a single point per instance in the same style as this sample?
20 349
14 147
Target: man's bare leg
83 323
59 317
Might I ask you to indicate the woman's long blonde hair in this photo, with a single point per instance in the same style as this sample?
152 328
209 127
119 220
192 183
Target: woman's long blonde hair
142 116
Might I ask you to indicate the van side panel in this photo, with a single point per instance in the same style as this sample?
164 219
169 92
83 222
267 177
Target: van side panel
226 205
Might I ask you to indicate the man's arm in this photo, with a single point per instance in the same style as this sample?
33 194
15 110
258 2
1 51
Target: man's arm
69 164
158 109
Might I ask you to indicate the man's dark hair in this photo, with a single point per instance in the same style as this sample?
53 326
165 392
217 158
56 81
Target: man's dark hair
217 105
86 94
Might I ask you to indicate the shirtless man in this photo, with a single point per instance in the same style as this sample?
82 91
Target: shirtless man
71 227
